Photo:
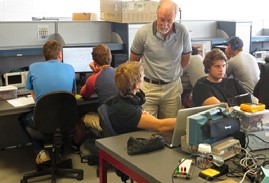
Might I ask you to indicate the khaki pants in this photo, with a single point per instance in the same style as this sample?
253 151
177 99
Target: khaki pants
163 101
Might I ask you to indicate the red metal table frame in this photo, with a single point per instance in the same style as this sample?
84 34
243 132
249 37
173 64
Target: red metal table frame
105 158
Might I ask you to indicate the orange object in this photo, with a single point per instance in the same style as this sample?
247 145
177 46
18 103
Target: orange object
251 107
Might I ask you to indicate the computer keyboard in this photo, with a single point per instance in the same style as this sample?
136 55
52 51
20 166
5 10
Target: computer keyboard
23 91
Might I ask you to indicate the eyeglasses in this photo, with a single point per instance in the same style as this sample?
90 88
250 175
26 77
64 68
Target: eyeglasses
162 20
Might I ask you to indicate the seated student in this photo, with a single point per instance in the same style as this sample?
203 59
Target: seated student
44 77
100 82
215 88
241 65
126 113
195 69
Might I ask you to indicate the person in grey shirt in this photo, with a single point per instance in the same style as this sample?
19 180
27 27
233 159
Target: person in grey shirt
242 65
195 69
164 48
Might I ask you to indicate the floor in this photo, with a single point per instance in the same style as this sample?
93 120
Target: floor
15 162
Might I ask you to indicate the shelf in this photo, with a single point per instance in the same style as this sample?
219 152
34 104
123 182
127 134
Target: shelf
214 40
19 52
259 38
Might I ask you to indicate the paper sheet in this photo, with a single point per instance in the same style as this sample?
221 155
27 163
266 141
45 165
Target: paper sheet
21 101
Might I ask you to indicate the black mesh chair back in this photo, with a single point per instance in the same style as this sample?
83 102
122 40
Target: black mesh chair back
56 110
105 123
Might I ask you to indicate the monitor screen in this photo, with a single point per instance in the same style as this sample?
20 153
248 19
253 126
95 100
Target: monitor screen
17 79
78 57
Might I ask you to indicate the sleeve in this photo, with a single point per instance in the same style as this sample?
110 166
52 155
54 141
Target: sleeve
201 92
137 47
239 87
89 88
125 117
28 84
187 46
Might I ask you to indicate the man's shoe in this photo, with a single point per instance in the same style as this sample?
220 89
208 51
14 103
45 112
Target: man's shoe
42 157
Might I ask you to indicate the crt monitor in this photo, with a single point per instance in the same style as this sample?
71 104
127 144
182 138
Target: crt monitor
79 57
194 134
17 79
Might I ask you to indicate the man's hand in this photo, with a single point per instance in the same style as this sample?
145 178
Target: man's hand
95 68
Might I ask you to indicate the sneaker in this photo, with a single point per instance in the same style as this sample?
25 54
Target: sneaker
42 157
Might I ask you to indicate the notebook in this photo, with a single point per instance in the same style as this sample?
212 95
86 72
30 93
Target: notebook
173 139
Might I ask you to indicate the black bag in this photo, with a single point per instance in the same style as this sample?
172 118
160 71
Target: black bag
143 145
220 128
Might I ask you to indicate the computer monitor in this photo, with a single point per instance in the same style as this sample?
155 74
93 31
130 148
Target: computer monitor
203 46
79 57
17 79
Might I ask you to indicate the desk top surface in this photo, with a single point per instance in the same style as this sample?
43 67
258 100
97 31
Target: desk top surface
156 166
8 109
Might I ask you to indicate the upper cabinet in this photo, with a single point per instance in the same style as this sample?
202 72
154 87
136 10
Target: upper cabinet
27 38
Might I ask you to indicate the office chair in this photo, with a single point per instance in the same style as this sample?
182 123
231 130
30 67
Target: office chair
55 116
261 89
103 112
108 131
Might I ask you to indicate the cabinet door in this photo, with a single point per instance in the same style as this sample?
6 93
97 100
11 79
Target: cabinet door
243 30
133 28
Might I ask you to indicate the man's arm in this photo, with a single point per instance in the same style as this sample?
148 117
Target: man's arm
185 60
211 100
148 121
134 57
33 94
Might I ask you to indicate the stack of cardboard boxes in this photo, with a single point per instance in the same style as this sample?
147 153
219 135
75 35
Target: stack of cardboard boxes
128 11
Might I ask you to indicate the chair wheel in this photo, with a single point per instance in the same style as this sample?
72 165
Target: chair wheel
23 181
80 176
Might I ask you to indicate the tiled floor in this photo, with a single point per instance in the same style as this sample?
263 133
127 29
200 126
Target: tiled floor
14 163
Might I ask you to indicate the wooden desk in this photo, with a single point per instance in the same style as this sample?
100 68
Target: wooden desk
154 167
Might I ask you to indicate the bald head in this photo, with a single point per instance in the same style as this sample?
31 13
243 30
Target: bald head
167 7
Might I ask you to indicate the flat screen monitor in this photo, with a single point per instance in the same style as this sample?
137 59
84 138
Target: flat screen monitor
78 57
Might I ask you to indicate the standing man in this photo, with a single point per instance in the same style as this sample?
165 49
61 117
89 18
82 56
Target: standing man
164 47
44 77
242 65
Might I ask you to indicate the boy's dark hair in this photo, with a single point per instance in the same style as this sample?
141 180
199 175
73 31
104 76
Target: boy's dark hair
51 50
101 55
212 56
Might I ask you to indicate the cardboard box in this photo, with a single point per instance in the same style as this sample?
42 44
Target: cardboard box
8 92
128 11
84 16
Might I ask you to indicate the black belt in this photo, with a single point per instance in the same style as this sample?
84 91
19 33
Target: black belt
155 82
